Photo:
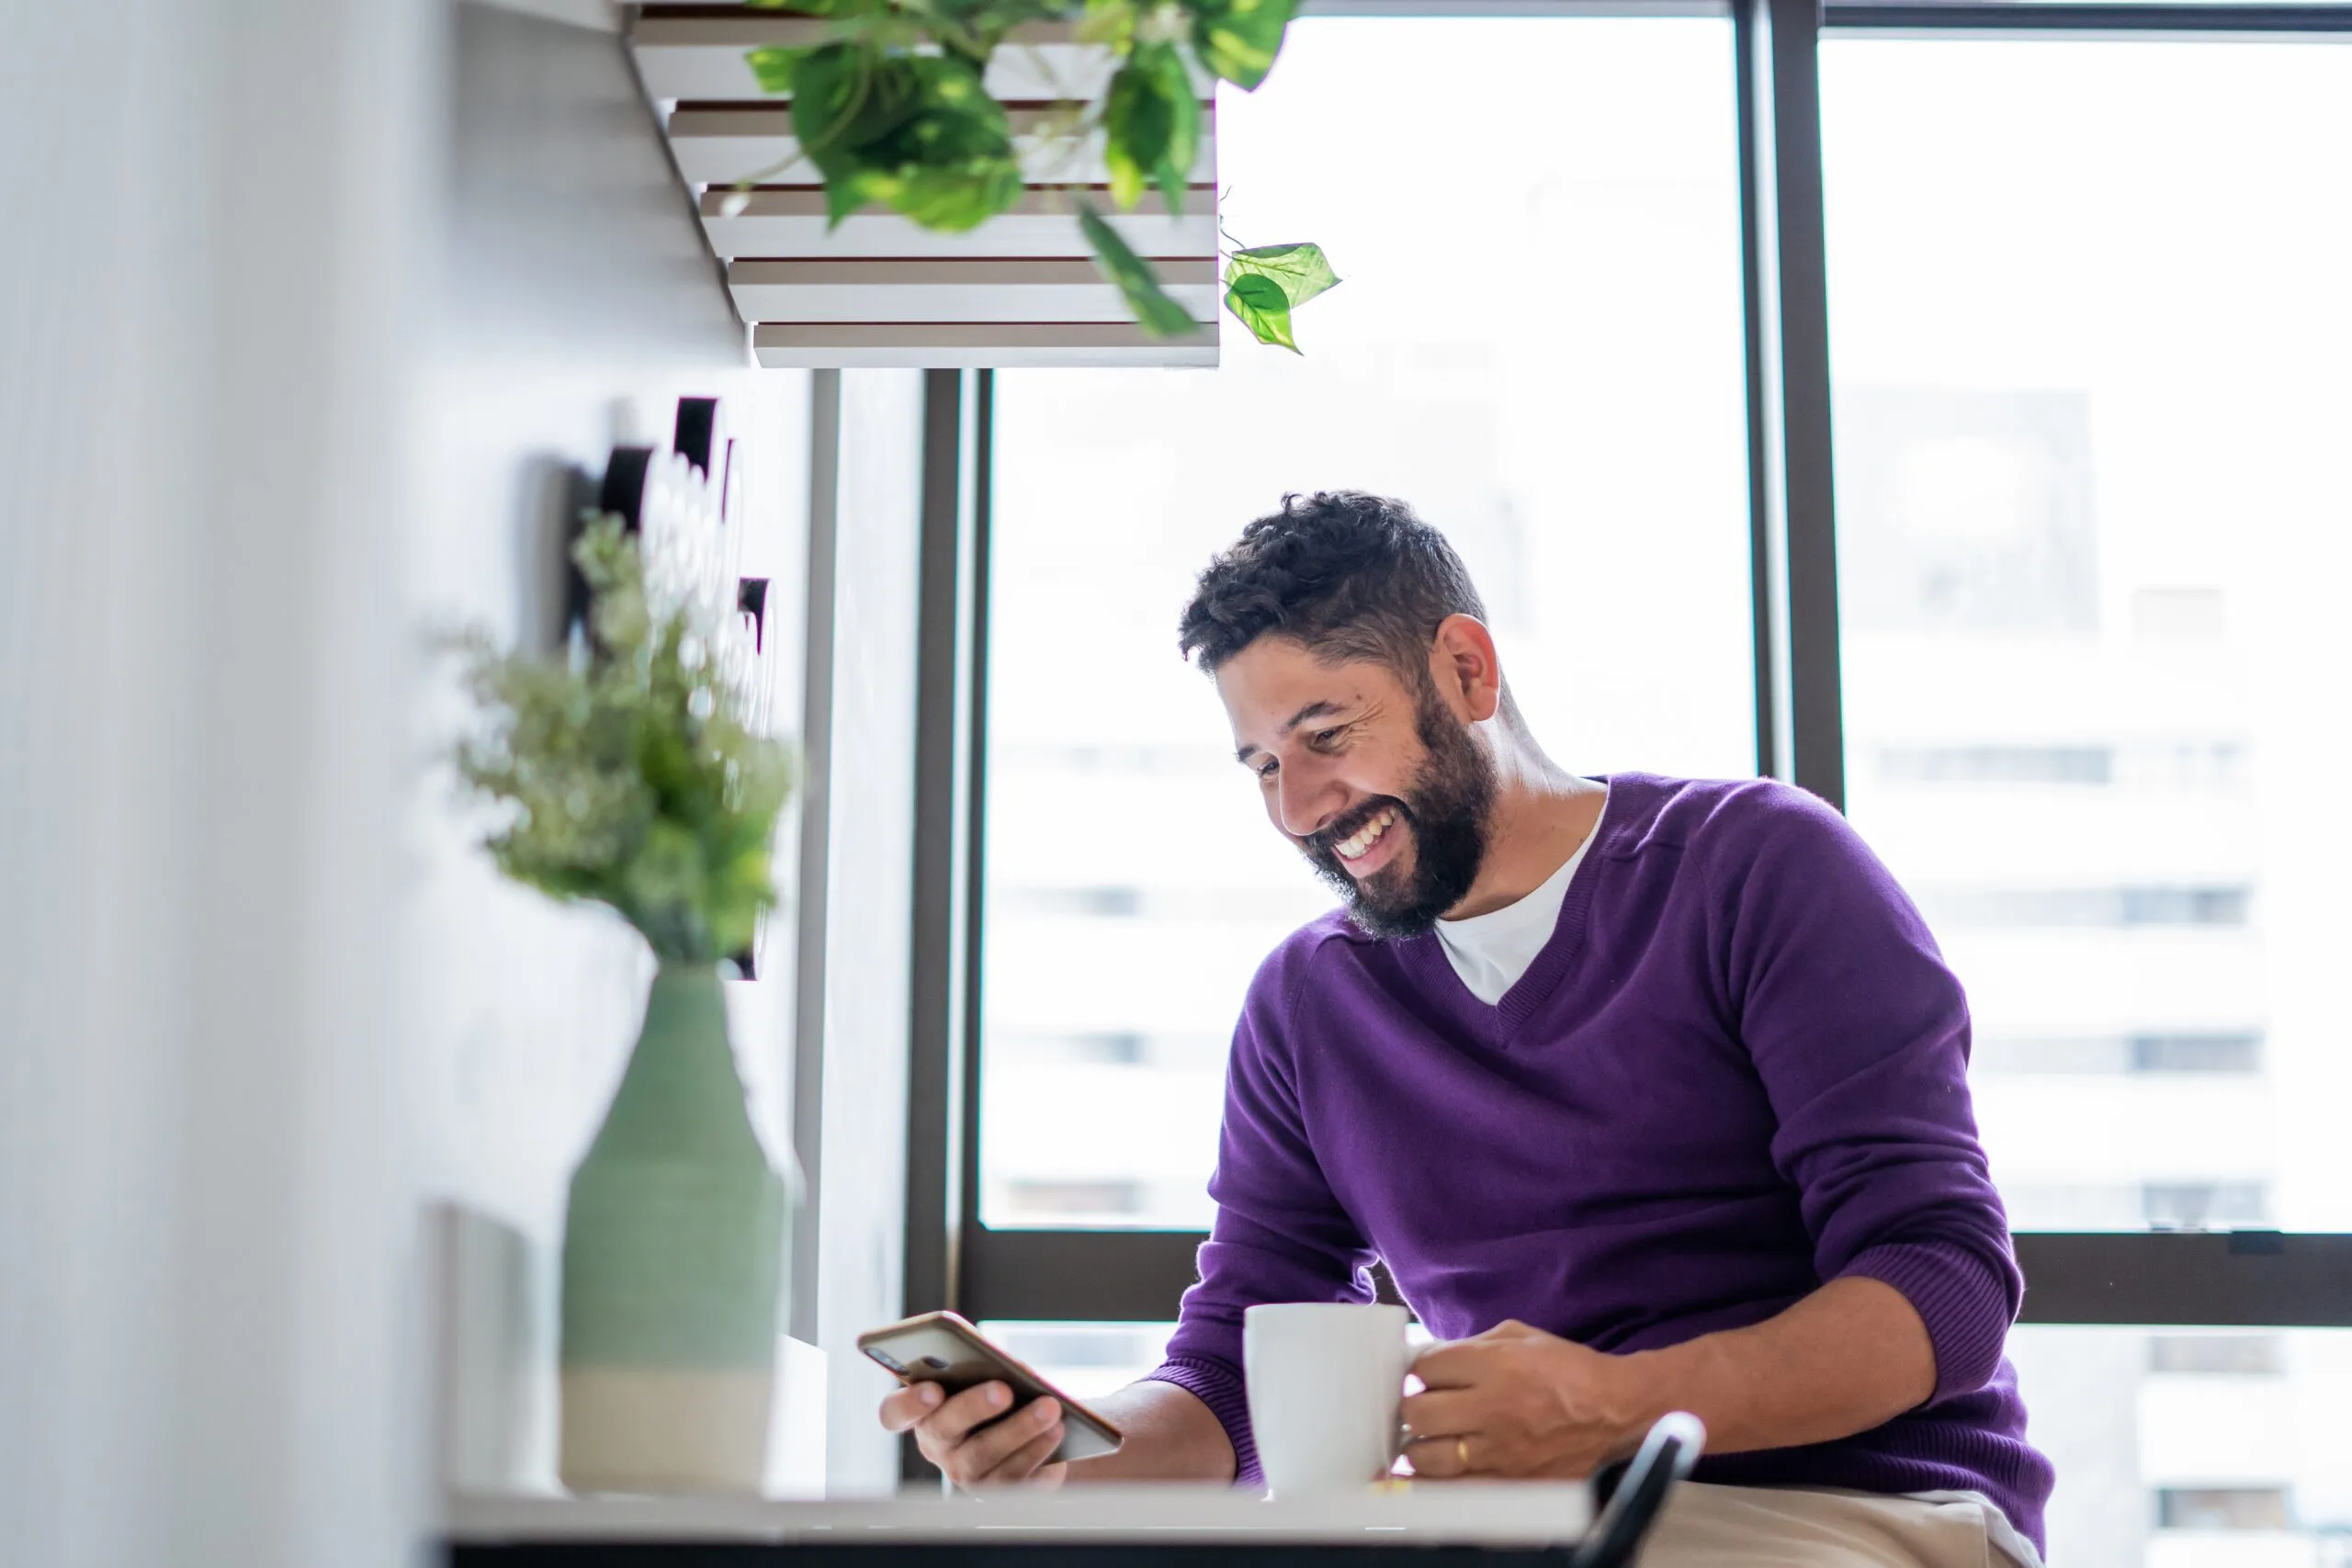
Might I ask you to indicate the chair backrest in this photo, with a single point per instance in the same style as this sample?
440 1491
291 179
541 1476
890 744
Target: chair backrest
1666 1456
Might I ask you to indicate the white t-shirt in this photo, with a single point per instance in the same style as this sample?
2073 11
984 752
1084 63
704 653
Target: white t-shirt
1490 951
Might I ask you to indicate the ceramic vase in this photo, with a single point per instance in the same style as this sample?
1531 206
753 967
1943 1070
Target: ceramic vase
673 1266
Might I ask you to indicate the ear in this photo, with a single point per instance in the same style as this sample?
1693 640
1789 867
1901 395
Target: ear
1463 662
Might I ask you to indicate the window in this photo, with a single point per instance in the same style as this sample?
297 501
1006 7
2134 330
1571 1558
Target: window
2092 361
1542 352
2082 684
2162 1438
1084 1360
2201 1050
2252 1354
2092 368
2221 1508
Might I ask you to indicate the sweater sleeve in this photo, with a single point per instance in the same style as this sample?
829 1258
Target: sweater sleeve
1280 1235
1859 1033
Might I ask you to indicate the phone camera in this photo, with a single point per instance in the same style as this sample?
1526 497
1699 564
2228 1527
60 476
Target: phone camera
934 1363
888 1360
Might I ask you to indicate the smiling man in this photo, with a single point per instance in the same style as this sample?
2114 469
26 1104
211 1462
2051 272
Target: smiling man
1650 1093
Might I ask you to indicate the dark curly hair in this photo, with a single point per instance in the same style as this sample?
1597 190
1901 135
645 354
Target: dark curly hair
1347 574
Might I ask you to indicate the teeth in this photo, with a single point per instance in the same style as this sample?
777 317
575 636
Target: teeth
1363 838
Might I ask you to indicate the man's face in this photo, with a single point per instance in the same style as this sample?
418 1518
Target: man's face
1374 778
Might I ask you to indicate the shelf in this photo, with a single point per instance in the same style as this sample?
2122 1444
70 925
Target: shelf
876 290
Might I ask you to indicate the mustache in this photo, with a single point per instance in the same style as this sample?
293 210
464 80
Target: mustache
1325 841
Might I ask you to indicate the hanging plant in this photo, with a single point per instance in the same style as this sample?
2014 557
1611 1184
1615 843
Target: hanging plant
891 108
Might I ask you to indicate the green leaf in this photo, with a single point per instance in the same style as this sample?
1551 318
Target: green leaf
1175 168
1136 123
627 775
955 198
1259 303
1172 184
830 87
920 133
847 191
1159 315
1264 285
773 66
1152 124
975 27
1111 23
1237 39
1302 270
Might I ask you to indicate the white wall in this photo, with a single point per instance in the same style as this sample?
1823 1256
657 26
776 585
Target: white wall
573 304
870 909
204 1182
305 325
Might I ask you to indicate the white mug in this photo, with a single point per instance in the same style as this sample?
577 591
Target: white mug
1324 1381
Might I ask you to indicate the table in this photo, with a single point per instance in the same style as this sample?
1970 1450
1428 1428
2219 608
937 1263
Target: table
1443 1525
1488 1525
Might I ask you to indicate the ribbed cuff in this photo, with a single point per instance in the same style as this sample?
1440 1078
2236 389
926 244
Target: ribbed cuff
1220 1388
1959 1295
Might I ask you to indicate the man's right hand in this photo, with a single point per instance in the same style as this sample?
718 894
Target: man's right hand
972 1440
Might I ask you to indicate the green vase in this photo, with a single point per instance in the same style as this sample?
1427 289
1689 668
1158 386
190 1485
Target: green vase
673 1258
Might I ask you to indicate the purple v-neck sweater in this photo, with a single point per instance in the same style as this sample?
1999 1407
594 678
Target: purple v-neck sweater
1737 1070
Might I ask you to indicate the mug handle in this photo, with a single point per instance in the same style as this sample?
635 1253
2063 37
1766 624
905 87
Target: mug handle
1400 1435
1666 1456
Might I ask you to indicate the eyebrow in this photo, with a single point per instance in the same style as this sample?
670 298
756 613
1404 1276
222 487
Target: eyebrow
1323 709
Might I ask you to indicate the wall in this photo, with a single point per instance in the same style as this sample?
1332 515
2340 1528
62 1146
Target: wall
313 329
575 303
578 304
206 1198
870 913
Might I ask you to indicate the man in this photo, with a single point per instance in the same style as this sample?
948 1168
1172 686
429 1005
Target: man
1650 1094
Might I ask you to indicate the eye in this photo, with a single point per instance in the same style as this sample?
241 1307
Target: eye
1266 770
1322 739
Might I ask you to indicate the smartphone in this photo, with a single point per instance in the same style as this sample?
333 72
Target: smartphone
940 1347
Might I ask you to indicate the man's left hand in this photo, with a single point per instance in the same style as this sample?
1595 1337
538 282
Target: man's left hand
1518 1402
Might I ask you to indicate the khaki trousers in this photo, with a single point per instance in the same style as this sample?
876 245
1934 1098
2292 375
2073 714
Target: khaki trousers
1707 1525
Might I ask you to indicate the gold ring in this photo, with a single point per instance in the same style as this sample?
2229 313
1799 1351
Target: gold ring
1462 1452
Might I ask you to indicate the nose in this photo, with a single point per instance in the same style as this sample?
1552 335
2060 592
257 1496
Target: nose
1306 798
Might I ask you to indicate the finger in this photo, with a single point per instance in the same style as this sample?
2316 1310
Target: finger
1454 1365
1052 1475
1441 1459
986 1450
910 1405
1443 1414
975 1406
1026 1460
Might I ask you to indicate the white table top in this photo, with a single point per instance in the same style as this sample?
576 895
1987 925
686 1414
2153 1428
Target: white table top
1525 1513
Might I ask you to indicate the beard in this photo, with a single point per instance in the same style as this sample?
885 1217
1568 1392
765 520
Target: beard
1451 796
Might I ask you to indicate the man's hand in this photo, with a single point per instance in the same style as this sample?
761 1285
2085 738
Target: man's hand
1515 1401
1171 1436
972 1440
1518 1402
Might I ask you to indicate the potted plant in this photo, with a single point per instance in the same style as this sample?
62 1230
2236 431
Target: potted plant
625 775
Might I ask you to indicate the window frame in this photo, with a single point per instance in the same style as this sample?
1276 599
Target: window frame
2228 1279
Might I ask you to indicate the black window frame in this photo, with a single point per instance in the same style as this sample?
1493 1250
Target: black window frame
2229 1279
